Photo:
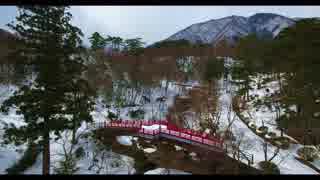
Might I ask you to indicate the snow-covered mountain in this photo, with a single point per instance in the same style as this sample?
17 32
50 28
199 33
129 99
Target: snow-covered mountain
232 28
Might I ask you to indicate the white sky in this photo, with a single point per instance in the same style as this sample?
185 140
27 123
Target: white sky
154 23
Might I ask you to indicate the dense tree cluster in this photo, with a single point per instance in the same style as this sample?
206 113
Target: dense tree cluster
129 46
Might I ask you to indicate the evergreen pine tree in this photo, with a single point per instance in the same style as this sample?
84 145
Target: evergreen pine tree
50 46
97 41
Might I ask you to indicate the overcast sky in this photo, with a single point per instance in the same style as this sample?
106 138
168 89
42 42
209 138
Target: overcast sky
154 23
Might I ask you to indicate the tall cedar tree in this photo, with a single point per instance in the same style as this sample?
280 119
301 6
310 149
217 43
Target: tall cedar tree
50 47
97 41
134 46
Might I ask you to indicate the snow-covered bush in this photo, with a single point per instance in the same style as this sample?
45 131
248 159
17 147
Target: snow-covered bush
68 165
270 135
282 142
308 153
246 120
262 130
252 126
137 114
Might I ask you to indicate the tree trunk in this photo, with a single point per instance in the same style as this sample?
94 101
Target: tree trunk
279 81
46 154
74 130
265 150
299 110
167 85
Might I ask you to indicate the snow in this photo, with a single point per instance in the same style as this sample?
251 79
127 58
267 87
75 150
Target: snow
9 156
166 171
316 163
125 140
150 150
154 127
207 131
178 148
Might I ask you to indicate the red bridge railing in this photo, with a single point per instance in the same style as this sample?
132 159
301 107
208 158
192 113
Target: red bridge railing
180 133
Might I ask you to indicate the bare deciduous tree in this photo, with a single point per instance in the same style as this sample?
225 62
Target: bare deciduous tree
265 151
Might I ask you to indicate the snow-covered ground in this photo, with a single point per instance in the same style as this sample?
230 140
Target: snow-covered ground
178 148
166 171
153 109
316 163
125 140
149 150
252 143
263 114
10 154
113 163
100 160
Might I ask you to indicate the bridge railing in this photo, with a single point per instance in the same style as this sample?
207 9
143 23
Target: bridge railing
172 130
206 141
136 122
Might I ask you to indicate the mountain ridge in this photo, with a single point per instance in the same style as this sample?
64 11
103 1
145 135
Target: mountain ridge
233 27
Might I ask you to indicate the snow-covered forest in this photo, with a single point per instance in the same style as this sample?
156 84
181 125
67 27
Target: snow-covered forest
261 96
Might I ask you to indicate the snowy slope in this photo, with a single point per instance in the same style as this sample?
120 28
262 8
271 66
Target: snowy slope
252 142
272 23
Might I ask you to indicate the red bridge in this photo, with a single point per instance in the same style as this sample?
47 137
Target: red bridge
162 128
